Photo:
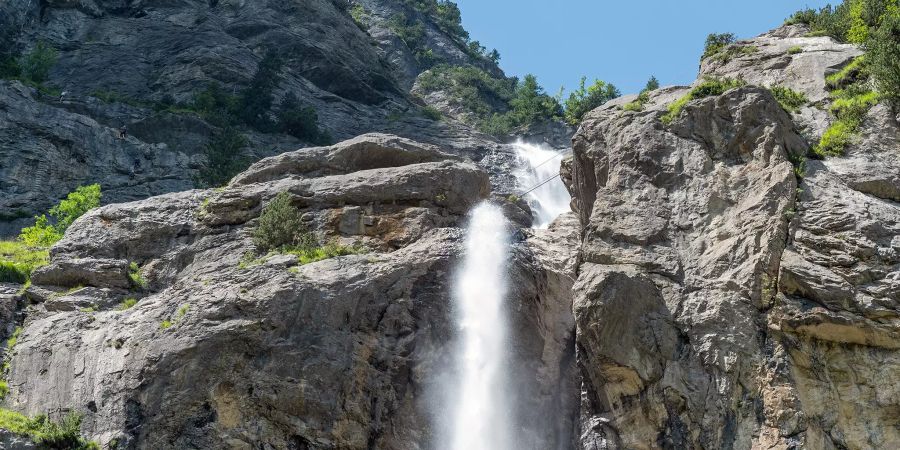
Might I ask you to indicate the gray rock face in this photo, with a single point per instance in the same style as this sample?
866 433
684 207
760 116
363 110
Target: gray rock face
787 57
721 303
683 230
342 353
141 53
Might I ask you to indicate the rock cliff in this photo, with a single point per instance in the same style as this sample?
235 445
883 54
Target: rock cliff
342 353
138 63
726 298
714 287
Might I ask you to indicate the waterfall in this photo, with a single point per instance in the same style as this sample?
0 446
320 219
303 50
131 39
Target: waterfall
539 163
480 412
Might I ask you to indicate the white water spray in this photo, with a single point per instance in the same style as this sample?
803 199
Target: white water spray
481 415
538 164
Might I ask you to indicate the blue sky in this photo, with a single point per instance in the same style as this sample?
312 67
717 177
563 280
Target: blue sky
623 42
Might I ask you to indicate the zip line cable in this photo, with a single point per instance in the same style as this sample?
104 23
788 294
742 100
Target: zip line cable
542 183
558 154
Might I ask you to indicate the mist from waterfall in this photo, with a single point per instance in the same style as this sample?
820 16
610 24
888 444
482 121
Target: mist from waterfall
480 409
537 164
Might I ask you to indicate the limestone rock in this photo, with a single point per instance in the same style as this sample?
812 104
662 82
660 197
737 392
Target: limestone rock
787 57
684 228
343 353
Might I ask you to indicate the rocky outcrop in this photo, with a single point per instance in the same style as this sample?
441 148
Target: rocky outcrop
787 57
723 301
683 231
222 351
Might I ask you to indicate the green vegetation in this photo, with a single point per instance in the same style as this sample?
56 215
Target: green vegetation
127 304
431 113
35 66
13 340
136 276
789 99
852 97
18 260
795 50
78 202
281 230
643 97
884 56
734 51
40 429
708 88
717 42
494 105
849 108
179 314
327 251
585 99
412 33
360 16
447 17
851 21
850 74
475 90
281 225
224 158
32 68
301 121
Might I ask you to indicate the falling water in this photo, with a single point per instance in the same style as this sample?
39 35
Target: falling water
538 164
480 411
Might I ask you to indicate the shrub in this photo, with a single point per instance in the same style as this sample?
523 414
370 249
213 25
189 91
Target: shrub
216 106
18 261
9 67
473 89
44 233
643 97
795 50
494 105
789 99
127 304
855 72
165 324
224 158
585 99
716 42
432 113
281 225
805 16
709 87
136 276
360 16
734 51
327 251
849 108
300 121
531 104
47 434
835 139
884 55
851 21
256 100
35 66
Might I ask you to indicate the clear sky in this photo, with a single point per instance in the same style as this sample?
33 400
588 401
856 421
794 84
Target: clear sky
620 41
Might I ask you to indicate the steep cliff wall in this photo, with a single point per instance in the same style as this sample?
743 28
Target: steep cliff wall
139 63
728 298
